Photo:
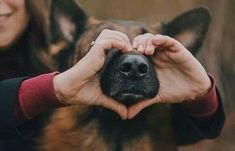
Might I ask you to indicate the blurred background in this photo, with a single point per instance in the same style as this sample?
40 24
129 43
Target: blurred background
217 54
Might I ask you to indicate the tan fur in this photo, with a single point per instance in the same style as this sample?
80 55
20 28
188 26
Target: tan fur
55 49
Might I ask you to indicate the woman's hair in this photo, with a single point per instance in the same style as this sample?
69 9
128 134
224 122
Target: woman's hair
37 35
44 36
39 12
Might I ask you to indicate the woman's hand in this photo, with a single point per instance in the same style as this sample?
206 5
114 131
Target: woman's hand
180 74
80 84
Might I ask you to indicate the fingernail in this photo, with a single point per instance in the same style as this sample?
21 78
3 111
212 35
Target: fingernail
135 44
141 48
150 48
128 47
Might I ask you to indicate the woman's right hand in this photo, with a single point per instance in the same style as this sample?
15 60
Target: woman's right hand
81 84
181 76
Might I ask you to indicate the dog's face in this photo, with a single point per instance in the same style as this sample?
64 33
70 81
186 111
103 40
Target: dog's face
129 77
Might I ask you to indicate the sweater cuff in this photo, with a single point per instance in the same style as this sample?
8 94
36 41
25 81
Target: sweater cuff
37 95
206 106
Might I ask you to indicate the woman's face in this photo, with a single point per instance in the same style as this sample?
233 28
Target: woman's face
13 21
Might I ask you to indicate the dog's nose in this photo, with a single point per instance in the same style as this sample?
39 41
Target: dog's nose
133 66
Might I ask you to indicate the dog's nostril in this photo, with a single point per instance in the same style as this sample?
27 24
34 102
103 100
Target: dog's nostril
126 67
143 68
133 66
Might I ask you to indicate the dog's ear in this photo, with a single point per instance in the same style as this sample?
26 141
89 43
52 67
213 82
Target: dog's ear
189 28
67 20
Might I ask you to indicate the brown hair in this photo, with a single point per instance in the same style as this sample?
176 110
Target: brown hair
38 38
45 37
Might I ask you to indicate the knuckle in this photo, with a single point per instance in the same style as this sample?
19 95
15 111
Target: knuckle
125 36
172 39
105 31
167 37
148 34
137 38
101 43
149 41
115 41
121 45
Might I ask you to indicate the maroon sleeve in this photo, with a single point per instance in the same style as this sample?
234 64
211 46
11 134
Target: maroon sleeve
205 106
36 95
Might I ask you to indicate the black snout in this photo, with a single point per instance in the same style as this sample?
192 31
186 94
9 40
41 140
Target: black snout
129 77
133 66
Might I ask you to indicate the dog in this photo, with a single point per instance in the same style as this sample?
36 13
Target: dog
89 128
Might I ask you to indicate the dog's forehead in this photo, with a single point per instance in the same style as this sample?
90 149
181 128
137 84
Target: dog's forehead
130 28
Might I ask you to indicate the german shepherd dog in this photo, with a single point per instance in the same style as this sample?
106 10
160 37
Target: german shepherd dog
90 128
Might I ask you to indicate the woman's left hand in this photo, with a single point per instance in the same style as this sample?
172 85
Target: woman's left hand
180 74
80 84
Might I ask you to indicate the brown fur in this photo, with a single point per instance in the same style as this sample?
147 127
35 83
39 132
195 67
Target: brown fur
64 133
78 129
67 132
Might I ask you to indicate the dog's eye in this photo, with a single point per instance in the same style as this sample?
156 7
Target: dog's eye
143 31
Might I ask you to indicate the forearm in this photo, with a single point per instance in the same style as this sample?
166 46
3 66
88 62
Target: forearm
200 119
206 106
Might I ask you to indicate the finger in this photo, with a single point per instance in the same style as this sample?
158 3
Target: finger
112 42
141 47
140 42
150 47
167 42
118 33
135 44
135 109
114 36
111 104
120 45
113 33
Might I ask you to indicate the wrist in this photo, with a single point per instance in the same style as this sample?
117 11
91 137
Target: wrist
206 105
58 89
204 89
67 84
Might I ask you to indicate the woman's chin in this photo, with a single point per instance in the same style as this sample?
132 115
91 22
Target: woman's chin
5 44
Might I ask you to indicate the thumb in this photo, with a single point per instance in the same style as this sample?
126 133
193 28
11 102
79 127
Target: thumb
135 109
111 104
